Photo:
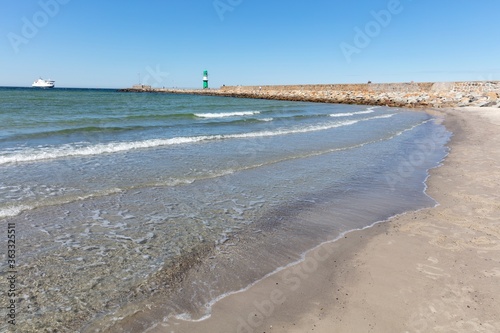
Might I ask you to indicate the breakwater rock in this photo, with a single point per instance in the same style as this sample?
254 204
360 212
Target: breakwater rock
413 94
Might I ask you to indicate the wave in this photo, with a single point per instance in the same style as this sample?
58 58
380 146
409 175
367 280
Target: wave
226 114
14 210
156 116
350 114
126 116
121 129
76 130
69 150
93 125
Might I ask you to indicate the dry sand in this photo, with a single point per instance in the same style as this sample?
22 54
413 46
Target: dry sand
435 270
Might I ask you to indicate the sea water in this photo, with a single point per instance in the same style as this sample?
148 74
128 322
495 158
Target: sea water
127 201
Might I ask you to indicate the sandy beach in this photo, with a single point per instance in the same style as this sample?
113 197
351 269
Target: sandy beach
434 270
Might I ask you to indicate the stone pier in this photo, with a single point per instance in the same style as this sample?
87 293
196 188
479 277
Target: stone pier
411 94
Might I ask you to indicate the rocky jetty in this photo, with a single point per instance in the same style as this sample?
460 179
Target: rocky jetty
421 94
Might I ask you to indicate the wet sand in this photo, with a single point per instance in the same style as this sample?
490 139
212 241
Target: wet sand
434 270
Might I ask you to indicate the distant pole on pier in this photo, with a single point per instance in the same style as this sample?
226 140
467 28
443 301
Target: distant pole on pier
205 79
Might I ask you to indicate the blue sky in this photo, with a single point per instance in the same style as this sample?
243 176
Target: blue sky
114 44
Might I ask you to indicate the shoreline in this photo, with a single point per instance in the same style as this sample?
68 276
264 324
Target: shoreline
154 309
388 277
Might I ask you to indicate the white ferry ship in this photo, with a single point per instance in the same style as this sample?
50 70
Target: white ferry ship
41 83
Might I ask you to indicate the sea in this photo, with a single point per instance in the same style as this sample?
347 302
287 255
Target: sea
139 207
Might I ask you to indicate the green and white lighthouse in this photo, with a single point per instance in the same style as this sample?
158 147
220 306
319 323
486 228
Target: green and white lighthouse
205 79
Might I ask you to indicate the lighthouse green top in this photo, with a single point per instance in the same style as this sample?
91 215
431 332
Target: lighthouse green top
205 79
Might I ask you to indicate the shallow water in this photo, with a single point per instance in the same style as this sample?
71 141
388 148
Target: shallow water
115 196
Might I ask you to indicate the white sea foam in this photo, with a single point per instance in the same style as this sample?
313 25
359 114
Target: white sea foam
68 150
13 211
371 109
350 114
226 114
384 116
